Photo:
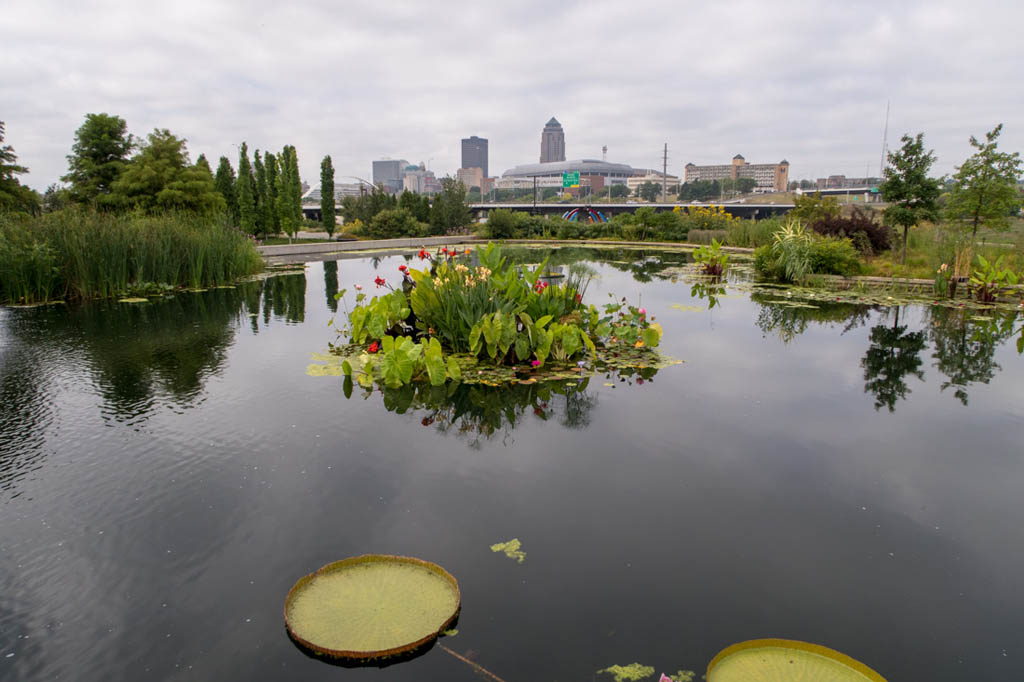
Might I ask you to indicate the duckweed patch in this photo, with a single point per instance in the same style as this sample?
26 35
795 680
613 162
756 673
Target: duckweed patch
511 549
628 673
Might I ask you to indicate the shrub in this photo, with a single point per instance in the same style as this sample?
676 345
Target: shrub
869 236
394 222
501 224
834 256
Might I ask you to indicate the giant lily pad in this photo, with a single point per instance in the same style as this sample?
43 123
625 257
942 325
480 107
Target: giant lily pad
371 607
784 660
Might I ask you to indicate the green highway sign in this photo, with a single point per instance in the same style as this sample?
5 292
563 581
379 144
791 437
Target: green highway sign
571 179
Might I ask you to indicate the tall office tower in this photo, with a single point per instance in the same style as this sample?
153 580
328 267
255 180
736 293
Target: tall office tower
552 142
474 153
388 172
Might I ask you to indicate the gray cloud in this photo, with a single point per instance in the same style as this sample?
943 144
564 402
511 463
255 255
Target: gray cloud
807 81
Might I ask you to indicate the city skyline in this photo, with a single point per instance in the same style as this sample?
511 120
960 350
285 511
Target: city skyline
219 73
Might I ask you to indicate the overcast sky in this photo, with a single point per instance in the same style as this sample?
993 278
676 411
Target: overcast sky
804 81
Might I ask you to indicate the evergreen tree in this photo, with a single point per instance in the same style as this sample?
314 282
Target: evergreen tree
327 195
98 157
244 192
295 183
261 193
14 195
224 181
270 215
202 163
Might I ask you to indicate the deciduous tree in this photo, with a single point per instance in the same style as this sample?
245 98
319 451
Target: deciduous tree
911 194
161 177
985 186
98 157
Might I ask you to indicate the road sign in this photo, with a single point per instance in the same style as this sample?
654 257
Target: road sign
571 179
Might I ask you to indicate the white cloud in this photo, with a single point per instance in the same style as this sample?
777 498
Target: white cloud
805 81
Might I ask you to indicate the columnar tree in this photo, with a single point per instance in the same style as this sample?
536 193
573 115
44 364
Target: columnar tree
985 186
261 192
202 163
98 157
327 195
244 192
270 216
224 181
911 194
14 195
289 191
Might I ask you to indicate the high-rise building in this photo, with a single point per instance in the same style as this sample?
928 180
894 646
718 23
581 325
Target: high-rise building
388 173
552 142
474 153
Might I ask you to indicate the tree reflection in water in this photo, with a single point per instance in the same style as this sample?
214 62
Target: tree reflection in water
893 355
964 349
478 412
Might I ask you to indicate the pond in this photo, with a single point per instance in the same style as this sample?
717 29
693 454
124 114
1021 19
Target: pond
835 472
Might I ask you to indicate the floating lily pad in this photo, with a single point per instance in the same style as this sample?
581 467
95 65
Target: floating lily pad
371 606
133 300
783 660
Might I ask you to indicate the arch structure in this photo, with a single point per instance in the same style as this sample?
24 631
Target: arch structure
584 214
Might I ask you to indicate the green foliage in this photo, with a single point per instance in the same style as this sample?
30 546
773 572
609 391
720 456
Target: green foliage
867 235
224 183
366 206
648 191
392 223
160 178
245 190
619 191
712 259
752 233
288 195
810 208
98 157
893 355
327 195
985 188
271 217
77 253
834 256
13 195
449 210
990 279
493 312
911 194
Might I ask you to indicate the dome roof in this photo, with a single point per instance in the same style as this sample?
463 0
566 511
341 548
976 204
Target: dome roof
584 166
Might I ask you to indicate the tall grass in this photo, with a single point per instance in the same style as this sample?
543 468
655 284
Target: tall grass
78 254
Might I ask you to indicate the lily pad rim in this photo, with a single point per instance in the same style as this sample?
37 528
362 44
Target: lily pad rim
775 643
366 559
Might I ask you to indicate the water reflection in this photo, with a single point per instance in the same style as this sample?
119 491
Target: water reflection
789 319
284 296
894 354
331 284
964 349
478 413
645 265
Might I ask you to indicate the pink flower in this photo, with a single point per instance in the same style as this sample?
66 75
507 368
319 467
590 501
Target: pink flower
642 311
535 363
664 678
359 287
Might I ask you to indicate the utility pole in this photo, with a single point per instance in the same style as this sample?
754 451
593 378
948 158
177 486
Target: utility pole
664 175
534 195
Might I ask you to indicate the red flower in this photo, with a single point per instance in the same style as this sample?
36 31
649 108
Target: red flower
379 281
579 298
540 286
424 255
374 347
444 250
402 268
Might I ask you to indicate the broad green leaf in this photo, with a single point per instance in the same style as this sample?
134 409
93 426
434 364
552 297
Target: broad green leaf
454 371
346 368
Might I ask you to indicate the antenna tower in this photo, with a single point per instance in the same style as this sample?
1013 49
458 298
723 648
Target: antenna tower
885 142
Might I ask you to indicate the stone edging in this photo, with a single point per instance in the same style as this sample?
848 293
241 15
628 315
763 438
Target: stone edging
336 247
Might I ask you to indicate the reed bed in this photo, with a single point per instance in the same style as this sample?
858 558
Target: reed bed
79 254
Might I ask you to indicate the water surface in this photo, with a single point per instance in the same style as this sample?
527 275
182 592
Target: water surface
847 475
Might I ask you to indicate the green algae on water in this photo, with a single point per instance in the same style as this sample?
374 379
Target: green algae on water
371 606
511 549
628 673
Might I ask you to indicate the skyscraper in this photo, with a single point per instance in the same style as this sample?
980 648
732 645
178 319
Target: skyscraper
474 153
552 142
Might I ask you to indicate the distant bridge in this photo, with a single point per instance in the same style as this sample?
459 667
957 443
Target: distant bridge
870 192
755 211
